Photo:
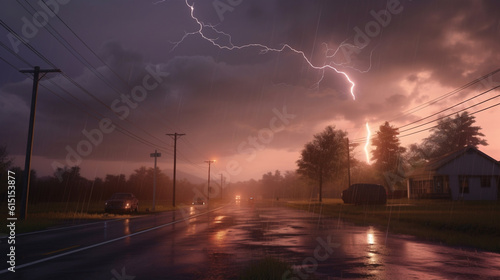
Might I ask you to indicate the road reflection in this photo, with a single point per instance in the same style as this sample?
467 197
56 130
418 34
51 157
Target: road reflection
370 236
240 234
126 230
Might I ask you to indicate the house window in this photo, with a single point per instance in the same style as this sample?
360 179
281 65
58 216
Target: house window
485 181
464 184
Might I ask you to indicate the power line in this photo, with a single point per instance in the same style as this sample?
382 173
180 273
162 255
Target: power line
419 107
83 42
446 116
15 54
81 58
457 104
95 114
28 45
126 132
446 95
461 110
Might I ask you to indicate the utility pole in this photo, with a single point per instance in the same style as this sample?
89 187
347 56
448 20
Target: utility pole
29 146
175 135
155 155
348 164
221 178
209 162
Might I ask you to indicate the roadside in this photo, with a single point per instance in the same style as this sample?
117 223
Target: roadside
44 216
456 223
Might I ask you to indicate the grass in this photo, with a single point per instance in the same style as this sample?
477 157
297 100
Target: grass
458 223
47 215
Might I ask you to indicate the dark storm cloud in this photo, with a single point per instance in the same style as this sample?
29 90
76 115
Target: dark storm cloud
220 98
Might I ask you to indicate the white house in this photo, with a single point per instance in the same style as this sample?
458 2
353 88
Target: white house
466 174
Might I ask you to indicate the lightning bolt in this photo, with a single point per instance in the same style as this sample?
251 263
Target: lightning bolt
368 134
329 53
263 48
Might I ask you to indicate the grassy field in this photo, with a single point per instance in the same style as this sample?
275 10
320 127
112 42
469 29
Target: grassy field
47 215
457 223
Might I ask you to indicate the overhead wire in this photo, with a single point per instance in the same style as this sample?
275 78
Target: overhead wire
444 96
419 107
95 114
46 60
94 54
85 62
442 117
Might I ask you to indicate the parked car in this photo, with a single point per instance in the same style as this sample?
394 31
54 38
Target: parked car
199 201
365 194
122 202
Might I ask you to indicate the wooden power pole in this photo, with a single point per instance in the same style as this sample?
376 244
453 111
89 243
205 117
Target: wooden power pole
29 146
155 155
175 135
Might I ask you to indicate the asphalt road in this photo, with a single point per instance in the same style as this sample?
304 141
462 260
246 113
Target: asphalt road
204 243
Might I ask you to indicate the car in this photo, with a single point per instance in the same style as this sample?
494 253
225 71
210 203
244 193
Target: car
365 194
199 201
122 202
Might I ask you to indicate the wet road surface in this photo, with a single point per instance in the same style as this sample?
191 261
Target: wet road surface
203 243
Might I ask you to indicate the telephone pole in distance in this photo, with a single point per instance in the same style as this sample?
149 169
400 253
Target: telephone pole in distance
209 162
155 155
175 135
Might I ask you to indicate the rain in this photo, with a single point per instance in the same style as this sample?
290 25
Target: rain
237 139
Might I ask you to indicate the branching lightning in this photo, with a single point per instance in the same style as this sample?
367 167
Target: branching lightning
263 48
329 54
368 135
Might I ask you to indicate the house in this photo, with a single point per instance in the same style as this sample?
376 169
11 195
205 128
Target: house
466 174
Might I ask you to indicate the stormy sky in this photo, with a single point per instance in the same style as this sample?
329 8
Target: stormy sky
247 81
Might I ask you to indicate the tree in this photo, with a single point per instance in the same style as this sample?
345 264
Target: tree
115 183
5 161
5 164
387 150
271 184
452 134
142 180
324 157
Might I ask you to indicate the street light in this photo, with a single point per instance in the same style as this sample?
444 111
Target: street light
209 162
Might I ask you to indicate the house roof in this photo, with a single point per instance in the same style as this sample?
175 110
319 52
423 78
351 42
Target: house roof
434 164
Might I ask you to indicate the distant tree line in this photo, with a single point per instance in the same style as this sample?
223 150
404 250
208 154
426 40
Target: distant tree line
74 187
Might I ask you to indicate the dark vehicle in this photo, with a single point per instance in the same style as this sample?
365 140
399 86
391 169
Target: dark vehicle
365 194
122 202
199 201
